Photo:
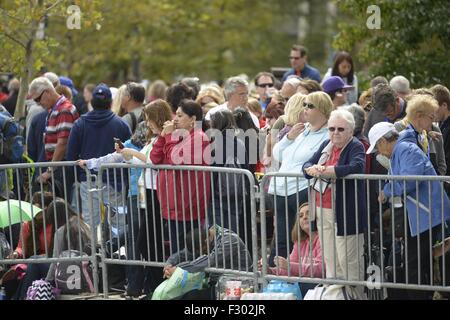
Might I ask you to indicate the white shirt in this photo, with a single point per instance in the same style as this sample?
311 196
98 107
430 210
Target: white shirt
150 174
225 107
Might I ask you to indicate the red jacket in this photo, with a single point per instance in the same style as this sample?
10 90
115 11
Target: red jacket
182 195
27 232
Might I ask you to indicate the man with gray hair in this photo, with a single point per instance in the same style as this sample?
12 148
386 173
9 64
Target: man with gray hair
289 88
53 77
34 108
400 85
387 106
60 118
236 95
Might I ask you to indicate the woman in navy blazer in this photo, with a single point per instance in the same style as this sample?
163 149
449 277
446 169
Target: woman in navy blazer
336 158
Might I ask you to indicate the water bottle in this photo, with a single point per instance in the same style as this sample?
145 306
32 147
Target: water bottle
2 294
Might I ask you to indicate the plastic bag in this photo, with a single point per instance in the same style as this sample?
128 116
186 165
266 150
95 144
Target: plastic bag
336 292
278 286
178 284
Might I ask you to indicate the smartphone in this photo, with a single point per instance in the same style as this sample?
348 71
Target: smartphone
121 146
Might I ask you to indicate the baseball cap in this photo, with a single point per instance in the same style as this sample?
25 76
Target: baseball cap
377 132
102 91
66 81
333 84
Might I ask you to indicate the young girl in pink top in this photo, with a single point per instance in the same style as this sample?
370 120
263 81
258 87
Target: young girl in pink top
306 256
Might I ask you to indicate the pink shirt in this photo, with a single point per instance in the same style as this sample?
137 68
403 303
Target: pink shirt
305 261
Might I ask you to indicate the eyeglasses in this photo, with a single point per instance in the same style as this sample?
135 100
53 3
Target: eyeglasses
265 85
294 58
333 129
38 99
308 105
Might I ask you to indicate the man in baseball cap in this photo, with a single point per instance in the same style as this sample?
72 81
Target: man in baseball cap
336 88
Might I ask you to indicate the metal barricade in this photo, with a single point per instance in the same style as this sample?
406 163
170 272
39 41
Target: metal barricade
189 199
136 226
19 183
361 236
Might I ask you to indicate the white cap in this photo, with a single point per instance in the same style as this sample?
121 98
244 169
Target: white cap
377 132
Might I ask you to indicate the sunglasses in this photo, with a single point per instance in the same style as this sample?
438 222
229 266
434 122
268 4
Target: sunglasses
38 99
333 129
265 85
294 58
308 105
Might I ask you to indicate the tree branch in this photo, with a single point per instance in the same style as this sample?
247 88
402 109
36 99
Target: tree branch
52 6
5 13
14 39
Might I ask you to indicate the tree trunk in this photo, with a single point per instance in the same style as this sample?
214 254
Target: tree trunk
24 81
27 71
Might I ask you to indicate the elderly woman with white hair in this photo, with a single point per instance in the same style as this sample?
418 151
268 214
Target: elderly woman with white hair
342 154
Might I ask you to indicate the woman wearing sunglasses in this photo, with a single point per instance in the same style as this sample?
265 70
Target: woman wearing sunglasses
341 155
292 152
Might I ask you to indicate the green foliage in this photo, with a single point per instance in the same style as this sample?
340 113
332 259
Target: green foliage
23 51
170 38
413 40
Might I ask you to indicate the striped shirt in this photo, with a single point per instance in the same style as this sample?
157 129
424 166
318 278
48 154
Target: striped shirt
59 123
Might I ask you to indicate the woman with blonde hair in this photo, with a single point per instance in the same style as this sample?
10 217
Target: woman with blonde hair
116 106
294 113
296 147
420 115
210 94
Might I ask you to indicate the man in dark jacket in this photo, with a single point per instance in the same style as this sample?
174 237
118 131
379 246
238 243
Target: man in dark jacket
35 143
92 136
442 95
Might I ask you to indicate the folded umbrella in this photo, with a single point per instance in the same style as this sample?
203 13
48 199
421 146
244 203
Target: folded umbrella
15 211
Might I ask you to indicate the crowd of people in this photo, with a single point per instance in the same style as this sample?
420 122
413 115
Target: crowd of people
322 129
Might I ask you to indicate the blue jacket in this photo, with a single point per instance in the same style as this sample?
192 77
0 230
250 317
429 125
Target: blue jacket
307 72
92 137
135 173
408 159
35 140
351 161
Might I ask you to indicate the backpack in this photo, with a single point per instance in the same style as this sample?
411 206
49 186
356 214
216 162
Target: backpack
41 290
135 121
232 187
5 250
74 277
11 138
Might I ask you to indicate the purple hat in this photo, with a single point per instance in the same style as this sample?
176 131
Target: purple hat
333 84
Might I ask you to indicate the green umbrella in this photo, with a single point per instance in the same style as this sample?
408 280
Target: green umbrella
15 211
